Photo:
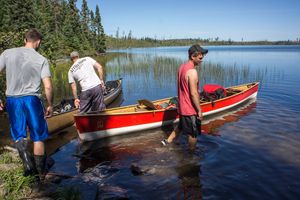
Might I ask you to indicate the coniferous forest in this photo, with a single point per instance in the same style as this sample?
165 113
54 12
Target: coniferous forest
64 27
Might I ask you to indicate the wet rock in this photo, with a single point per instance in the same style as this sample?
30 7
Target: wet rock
88 191
53 178
43 190
138 170
98 173
82 156
160 170
112 193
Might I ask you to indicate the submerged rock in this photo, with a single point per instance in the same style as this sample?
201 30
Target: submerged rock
138 170
112 193
99 173
87 191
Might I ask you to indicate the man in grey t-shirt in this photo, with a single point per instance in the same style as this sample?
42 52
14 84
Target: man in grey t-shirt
25 70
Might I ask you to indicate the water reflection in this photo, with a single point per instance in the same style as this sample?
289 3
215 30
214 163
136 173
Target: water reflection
188 169
211 124
63 137
175 171
258 147
59 139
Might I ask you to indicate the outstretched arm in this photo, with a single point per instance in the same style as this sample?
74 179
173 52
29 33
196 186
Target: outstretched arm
49 95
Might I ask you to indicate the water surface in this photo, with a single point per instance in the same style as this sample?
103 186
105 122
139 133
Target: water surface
250 152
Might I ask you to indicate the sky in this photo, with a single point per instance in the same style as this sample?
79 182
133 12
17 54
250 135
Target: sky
247 20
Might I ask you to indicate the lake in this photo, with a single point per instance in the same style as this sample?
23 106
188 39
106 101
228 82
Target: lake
249 152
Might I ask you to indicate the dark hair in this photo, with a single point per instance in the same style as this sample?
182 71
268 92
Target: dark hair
195 50
33 35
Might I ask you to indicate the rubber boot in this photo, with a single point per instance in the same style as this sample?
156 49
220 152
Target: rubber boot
26 157
40 163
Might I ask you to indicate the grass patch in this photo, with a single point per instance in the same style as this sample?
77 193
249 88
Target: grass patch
14 185
7 157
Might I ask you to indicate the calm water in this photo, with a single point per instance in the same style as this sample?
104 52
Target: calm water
250 152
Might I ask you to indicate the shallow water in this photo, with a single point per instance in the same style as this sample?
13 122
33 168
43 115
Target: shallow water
249 152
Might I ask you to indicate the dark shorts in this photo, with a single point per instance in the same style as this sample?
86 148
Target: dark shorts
190 125
92 100
23 112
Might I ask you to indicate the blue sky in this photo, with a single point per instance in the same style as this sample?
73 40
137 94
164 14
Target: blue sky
235 19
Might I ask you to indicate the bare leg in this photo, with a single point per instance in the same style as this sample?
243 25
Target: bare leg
192 142
38 148
173 135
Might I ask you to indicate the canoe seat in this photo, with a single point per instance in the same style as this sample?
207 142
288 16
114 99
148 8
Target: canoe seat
140 109
147 103
232 91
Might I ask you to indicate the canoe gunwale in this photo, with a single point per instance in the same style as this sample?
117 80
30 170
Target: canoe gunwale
104 124
70 113
110 112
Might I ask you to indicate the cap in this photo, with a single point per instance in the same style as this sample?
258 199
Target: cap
197 49
74 54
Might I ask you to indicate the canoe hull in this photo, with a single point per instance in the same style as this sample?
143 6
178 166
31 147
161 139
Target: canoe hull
63 120
105 124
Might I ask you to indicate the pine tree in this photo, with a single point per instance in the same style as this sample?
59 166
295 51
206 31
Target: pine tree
85 17
16 15
85 21
100 36
71 26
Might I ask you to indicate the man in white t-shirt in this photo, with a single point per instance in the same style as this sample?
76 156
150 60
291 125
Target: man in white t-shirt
92 86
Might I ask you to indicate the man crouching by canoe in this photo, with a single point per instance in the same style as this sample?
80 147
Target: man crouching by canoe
25 70
92 87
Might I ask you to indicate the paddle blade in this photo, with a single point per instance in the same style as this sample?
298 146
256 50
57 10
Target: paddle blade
147 103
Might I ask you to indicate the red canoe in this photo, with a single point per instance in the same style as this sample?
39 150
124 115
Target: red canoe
148 115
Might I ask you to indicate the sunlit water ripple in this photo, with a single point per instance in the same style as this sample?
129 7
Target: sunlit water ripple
250 152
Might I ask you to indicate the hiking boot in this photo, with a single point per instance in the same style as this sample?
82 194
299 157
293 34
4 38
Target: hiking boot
40 162
26 157
165 142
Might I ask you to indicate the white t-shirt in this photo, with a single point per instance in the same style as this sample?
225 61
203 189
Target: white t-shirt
83 71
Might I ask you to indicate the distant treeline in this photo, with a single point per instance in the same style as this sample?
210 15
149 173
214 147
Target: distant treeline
127 42
67 28
64 26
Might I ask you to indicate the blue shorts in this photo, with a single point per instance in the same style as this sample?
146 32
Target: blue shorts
23 112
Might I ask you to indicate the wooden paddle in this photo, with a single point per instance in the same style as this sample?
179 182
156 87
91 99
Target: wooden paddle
1 106
147 103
